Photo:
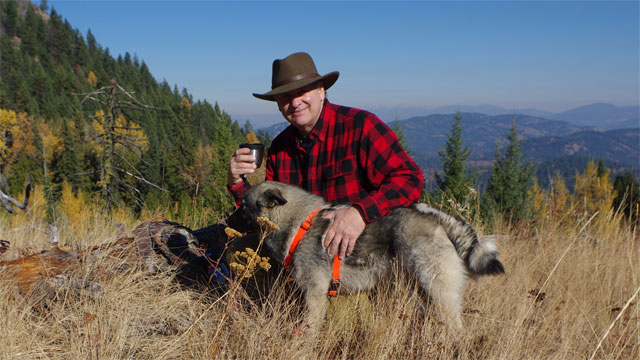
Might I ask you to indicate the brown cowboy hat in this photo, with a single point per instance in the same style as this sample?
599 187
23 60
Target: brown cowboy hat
295 72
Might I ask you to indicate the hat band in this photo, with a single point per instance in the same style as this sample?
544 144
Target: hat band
294 79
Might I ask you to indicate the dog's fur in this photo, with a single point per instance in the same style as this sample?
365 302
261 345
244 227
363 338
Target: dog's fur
440 251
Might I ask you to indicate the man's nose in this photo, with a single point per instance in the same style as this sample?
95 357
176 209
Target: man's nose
296 101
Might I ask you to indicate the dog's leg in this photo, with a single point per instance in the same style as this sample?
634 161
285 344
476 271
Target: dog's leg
315 283
316 308
446 287
440 273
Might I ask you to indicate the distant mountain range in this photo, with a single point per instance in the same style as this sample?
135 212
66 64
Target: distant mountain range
599 115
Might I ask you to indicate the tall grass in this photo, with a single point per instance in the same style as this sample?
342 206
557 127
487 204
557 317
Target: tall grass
564 296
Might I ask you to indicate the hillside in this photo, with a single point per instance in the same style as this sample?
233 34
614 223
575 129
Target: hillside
46 69
604 116
426 135
622 146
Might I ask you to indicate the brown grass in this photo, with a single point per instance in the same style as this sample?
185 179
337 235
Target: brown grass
565 296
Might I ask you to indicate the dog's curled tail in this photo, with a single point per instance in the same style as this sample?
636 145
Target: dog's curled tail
483 258
480 256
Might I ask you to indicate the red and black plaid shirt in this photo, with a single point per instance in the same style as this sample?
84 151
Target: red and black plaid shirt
350 156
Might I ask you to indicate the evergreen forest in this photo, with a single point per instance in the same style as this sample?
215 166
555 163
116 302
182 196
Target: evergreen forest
75 116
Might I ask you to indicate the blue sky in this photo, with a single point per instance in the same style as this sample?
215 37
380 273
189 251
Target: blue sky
549 55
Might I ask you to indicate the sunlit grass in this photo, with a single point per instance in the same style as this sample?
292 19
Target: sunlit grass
568 293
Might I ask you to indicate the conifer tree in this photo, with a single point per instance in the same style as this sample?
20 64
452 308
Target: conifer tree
68 167
9 17
264 137
44 5
402 140
628 195
511 179
224 145
455 183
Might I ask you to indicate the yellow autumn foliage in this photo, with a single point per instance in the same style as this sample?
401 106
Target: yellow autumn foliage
131 132
52 144
124 131
251 137
258 176
593 193
73 207
37 207
8 126
560 197
92 78
539 201
23 137
185 104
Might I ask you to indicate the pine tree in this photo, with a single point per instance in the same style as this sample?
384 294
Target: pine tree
511 179
44 5
402 140
9 17
628 195
224 145
264 137
455 184
247 128
68 167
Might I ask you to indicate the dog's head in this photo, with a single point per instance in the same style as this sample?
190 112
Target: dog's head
260 200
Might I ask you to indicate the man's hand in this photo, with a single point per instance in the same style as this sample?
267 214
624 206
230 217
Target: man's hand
346 228
241 163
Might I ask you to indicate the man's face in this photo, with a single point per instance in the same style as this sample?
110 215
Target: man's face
302 107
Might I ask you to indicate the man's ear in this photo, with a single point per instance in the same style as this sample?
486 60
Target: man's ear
272 198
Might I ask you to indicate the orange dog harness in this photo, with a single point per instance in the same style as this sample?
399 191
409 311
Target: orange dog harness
335 274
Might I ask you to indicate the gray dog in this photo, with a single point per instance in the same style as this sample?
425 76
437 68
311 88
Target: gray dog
440 251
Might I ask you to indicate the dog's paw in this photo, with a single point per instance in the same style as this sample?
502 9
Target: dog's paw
298 331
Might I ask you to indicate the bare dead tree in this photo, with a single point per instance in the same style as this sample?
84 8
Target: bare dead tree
118 142
8 202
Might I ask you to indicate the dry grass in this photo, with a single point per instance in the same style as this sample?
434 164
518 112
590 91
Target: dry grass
564 297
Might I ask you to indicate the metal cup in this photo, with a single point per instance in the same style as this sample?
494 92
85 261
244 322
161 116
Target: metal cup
257 150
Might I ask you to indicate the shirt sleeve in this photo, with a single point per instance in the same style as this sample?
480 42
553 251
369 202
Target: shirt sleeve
238 190
389 169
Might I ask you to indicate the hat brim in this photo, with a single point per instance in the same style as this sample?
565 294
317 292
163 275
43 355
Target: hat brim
327 80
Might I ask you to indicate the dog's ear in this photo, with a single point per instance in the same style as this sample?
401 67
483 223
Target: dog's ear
272 198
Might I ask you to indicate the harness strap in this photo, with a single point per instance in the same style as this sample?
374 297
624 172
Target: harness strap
299 235
335 274
334 287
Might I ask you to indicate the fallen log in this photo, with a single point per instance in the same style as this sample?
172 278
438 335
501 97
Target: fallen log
156 246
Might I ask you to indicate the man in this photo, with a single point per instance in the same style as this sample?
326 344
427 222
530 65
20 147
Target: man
345 155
